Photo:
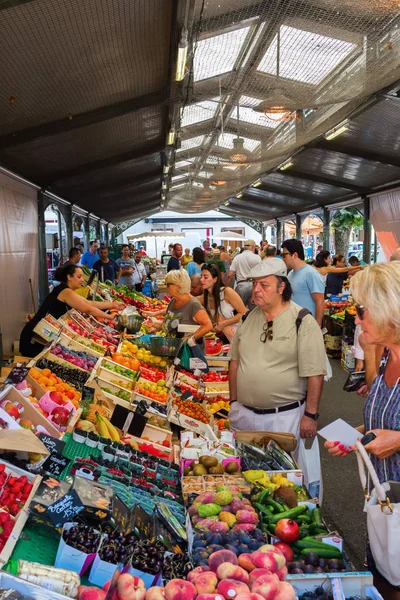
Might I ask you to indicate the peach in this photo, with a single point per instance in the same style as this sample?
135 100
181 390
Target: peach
91 593
250 596
105 588
210 597
256 574
206 583
191 576
155 593
273 561
179 589
229 588
268 548
221 556
282 572
130 587
286 592
267 586
230 571
245 562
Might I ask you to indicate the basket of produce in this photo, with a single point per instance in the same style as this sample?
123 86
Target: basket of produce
165 346
130 320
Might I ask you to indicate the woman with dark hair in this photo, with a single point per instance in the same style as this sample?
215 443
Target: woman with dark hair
195 265
58 302
224 306
323 265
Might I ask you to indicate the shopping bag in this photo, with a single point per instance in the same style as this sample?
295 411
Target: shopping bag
191 358
328 367
310 463
383 519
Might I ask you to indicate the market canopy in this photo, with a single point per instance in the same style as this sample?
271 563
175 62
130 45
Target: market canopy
228 235
91 109
155 235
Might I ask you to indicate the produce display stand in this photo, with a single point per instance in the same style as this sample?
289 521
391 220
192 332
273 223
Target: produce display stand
172 488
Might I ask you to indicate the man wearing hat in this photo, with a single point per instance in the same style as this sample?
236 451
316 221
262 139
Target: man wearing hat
241 267
277 356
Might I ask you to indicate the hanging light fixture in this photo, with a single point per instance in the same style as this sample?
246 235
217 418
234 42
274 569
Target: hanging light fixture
219 177
238 154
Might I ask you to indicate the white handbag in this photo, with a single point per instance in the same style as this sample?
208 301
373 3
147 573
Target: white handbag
383 519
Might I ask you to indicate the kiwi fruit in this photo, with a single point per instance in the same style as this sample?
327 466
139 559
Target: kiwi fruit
287 495
199 470
217 470
231 467
186 470
208 461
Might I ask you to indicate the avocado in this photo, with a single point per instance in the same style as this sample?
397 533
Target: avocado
199 470
217 470
231 467
208 461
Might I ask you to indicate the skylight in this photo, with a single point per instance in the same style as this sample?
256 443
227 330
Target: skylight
218 54
202 111
176 178
225 140
304 56
193 142
247 114
182 163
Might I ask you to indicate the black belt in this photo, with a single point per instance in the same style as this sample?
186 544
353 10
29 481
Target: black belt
270 411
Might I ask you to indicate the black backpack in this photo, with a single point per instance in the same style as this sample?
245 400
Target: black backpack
300 316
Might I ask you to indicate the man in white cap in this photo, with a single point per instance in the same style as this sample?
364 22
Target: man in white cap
241 267
277 356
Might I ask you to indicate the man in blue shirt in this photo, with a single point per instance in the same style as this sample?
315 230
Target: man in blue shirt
107 268
91 256
307 284
174 262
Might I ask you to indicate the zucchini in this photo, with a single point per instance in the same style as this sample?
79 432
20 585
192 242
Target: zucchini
293 513
275 505
263 496
316 516
263 510
322 553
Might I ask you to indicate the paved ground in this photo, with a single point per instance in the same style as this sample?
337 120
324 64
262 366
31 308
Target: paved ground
343 498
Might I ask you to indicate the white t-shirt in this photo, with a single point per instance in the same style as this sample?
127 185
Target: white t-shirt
243 263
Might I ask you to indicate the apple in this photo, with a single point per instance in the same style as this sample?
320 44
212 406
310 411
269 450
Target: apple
59 416
230 571
267 586
130 587
286 592
155 593
206 583
229 588
11 409
178 589
57 398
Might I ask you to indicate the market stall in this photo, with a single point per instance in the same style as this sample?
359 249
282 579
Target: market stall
138 482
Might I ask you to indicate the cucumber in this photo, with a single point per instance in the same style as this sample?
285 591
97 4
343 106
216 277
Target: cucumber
303 519
314 527
281 502
310 543
293 513
303 531
263 496
271 528
275 505
263 510
321 553
316 516
264 528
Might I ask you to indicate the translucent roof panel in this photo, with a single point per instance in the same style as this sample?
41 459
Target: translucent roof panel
304 56
216 55
247 114
225 140
176 178
202 111
193 142
182 163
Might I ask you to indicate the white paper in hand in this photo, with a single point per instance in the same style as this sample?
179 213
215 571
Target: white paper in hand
342 432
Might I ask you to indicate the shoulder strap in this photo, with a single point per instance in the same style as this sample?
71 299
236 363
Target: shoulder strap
300 316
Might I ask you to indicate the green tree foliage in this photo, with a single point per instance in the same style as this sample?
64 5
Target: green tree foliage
344 221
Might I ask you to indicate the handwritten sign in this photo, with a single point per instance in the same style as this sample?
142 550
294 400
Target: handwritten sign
144 524
17 375
55 464
65 509
53 445
123 517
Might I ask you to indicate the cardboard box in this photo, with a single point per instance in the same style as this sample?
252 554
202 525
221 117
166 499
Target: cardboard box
72 559
356 584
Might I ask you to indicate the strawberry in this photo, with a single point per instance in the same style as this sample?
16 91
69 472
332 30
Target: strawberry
11 481
23 479
14 508
2 467
28 488
18 487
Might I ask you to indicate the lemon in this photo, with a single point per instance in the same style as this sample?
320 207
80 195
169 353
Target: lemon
163 363
134 348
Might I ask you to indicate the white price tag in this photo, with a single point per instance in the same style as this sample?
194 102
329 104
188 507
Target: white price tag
335 541
197 363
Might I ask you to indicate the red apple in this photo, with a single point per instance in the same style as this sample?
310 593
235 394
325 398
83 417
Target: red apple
178 589
130 587
57 398
11 409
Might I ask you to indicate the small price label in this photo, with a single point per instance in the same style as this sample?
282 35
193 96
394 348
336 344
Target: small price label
197 363
17 375
55 464
65 509
53 445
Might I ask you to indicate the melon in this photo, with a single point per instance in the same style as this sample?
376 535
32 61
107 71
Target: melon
213 347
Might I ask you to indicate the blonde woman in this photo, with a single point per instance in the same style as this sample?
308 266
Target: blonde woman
376 291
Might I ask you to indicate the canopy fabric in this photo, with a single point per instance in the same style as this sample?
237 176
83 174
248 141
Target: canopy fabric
228 235
158 235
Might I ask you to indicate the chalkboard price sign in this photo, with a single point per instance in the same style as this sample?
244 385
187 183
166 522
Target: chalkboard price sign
55 464
65 509
53 445
17 375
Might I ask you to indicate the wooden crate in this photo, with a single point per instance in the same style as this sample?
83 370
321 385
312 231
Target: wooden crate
287 441
30 411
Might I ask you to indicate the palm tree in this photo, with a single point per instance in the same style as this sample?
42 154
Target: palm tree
344 221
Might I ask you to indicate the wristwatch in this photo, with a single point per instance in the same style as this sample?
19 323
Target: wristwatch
313 416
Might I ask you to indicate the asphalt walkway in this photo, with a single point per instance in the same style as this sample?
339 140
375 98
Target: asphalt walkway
343 498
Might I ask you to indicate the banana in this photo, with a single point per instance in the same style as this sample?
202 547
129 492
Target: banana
102 427
113 432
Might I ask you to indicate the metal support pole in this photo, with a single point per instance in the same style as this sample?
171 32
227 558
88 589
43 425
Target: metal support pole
69 240
278 234
367 231
327 228
43 275
60 241
375 247
298 227
86 237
